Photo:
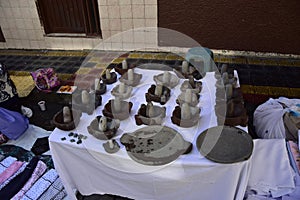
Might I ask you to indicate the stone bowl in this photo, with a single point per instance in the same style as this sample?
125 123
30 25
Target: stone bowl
141 118
233 113
196 89
101 135
181 99
118 68
176 118
174 80
236 113
115 92
108 110
112 80
107 148
59 122
136 79
150 95
102 89
195 73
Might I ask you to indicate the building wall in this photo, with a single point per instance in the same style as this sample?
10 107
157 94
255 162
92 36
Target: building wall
260 26
22 29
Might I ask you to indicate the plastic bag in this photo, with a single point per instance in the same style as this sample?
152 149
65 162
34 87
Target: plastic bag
12 124
269 118
45 79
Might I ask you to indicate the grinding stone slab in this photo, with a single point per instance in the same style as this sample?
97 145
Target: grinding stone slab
155 145
225 144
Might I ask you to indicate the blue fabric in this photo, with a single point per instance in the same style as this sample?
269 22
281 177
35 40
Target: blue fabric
12 124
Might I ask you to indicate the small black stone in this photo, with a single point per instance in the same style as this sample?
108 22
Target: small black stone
80 136
72 140
71 134
75 135
79 142
63 138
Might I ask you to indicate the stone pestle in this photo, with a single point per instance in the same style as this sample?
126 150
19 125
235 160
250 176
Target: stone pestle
107 74
185 112
158 90
185 67
150 112
124 64
103 124
85 97
166 77
130 75
117 105
67 116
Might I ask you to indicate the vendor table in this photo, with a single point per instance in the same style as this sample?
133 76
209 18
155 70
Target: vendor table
86 167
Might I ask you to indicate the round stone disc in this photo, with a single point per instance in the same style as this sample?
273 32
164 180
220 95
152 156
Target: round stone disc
225 144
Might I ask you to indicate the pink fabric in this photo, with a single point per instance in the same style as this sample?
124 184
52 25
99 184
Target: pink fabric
37 173
8 172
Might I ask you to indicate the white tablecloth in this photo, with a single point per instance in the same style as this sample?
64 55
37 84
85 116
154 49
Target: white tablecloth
89 169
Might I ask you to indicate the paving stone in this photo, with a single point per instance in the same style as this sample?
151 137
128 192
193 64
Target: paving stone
89 64
52 58
64 58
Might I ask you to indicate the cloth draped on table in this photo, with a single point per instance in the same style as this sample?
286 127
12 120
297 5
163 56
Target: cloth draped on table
272 177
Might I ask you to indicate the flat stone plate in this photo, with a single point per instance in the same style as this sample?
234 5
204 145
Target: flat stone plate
225 144
155 145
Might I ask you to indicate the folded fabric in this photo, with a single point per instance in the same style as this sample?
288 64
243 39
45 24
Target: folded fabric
41 185
295 195
15 185
60 195
37 173
22 168
8 172
271 172
54 191
5 163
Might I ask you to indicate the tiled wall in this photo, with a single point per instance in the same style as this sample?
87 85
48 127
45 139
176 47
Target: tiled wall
22 29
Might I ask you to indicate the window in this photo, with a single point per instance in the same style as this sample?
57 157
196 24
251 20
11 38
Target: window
70 17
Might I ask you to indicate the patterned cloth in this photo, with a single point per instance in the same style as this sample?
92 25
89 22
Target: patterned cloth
16 184
37 173
9 98
6 163
41 185
7 87
22 168
55 191
11 170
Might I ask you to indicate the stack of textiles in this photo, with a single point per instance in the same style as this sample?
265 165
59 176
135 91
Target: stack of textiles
30 181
